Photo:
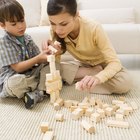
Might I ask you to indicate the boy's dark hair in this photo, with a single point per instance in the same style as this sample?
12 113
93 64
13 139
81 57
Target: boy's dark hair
56 7
11 10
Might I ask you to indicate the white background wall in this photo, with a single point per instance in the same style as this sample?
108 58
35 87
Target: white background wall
102 4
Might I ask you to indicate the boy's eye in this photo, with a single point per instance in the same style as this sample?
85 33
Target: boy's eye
13 24
22 20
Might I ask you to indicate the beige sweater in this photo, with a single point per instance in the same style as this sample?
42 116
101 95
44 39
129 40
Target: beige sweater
93 47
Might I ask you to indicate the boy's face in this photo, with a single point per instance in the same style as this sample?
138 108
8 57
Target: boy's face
16 28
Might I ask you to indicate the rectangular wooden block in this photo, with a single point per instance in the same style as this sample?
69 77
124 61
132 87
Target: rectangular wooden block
115 123
48 135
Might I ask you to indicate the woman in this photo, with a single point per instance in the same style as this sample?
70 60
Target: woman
97 67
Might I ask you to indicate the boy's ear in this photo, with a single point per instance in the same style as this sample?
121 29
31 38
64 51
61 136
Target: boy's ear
2 24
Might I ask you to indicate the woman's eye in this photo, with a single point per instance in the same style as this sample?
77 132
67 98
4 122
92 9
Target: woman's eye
64 24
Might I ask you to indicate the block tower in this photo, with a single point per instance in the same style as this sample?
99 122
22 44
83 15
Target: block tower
53 80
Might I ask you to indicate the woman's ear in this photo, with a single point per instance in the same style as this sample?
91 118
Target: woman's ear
77 13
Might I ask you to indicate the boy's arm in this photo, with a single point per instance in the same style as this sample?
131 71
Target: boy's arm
27 64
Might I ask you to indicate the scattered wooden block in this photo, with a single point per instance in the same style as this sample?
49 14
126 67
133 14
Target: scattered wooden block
109 111
44 126
134 105
88 112
115 123
95 117
48 135
119 117
59 117
57 106
68 103
87 126
115 102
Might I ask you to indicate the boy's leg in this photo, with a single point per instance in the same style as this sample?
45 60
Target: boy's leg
19 84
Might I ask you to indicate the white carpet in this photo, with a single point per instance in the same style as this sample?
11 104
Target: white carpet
18 123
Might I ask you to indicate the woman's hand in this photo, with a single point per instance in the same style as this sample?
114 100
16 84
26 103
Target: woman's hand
87 83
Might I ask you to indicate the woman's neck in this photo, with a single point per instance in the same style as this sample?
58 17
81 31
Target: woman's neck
74 34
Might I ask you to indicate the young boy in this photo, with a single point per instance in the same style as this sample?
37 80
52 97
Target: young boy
22 72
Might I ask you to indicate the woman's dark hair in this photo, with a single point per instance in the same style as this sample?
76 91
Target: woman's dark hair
11 10
56 7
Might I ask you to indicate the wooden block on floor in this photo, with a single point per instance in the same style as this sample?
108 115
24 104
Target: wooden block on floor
115 123
134 105
87 126
59 117
44 126
48 135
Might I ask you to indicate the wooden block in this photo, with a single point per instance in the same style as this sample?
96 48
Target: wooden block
53 97
80 110
75 103
77 86
114 102
72 108
52 49
88 112
60 101
85 100
51 58
109 111
134 105
57 106
95 117
115 123
122 98
92 101
119 117
87 126
48 135
49 77
101 112
75 115
59 117
44 126
57 43
105 106
68 103
85 105
122 111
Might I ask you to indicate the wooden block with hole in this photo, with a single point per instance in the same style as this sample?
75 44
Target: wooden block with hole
87 126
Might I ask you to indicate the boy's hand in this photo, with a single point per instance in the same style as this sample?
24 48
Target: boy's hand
52 48
87 83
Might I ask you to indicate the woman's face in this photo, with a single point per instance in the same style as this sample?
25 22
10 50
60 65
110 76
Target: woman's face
62 24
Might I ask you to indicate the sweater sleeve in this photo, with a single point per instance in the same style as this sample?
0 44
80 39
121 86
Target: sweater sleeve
113 64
